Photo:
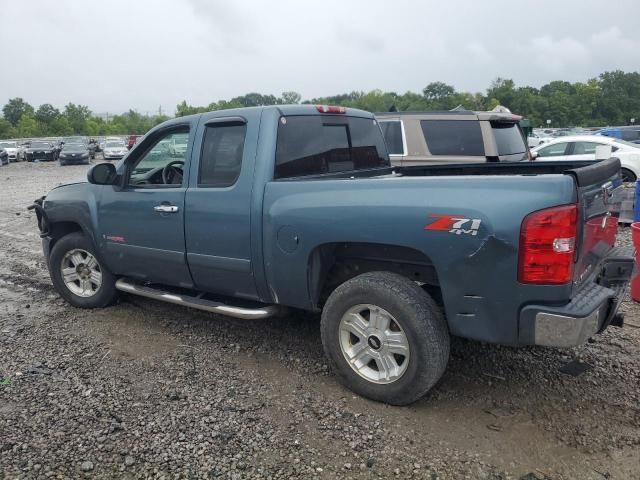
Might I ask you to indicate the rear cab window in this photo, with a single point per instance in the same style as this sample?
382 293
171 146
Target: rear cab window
321 144
453 137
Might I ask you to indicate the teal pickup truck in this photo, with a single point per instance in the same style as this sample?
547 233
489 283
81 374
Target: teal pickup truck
298 206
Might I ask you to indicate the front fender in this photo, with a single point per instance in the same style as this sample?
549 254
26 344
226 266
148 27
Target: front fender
74 203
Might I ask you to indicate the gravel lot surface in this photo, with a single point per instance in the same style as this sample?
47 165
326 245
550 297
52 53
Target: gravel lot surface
149 390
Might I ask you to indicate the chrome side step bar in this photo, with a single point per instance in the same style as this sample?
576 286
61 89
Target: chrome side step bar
128 286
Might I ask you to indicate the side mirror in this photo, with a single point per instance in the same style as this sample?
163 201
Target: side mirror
534 155
102 174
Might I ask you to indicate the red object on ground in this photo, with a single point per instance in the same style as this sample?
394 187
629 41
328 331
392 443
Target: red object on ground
635 281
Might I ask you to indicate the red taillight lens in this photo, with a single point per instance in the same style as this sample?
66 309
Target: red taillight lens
330 109
547 245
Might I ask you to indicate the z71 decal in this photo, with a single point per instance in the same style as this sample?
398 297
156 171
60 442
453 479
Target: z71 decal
454 224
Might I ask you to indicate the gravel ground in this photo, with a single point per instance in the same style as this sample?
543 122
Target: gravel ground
149 390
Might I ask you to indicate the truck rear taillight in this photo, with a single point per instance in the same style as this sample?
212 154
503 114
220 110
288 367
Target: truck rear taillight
330 109
547 246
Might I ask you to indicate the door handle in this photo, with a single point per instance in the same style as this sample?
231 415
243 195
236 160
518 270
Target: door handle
166 208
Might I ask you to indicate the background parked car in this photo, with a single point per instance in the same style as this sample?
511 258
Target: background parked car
630 134
74 153
12 150
22 150
178 145
39 150
83 140
56 144
426 138
114 150
583 147
4 157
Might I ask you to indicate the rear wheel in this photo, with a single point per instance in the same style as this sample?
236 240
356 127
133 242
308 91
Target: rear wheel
78 275
385 337
628 176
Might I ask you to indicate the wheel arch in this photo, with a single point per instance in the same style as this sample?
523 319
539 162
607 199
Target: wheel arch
63 228
627 165
332 264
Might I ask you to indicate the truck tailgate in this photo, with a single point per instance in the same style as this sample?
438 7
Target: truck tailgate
600 194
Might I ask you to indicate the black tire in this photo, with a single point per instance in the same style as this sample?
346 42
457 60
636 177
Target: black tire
420 319
62 164
628 175
105 295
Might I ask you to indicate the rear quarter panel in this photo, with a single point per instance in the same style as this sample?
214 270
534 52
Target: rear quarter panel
477 273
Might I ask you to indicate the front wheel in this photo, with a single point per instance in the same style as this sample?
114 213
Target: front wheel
78 275
385 337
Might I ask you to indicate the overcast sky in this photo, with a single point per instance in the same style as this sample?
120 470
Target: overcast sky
115 54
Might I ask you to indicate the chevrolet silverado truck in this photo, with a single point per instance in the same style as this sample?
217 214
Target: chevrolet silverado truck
299 207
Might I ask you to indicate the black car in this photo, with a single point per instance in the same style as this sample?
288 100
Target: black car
42 151
84 140
4 157
74 153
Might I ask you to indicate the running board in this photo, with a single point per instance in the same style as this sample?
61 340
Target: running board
126 285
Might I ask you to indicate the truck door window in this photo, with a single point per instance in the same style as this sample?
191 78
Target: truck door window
392 132
162 163
221 158
453 137
318 144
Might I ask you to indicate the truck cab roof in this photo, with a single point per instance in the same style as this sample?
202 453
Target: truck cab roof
284 110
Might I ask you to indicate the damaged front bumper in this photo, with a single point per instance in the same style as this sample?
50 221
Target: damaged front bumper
590 311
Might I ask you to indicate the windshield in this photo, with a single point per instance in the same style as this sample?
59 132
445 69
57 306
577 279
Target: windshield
40 145
114 145
7 144
74 146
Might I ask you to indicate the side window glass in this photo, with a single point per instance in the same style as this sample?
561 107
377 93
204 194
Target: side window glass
585 148
221 158
553 150
392 131
453 137
163 162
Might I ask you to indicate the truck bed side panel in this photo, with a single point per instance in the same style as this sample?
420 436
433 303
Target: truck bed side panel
477 272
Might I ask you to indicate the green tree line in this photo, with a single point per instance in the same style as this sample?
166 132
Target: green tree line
21 120
613 98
